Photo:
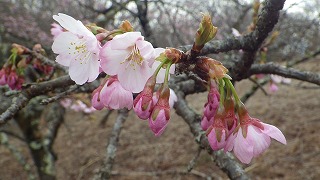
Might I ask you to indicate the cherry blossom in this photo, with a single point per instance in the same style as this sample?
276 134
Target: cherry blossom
78 49
128 56
252 137
114 96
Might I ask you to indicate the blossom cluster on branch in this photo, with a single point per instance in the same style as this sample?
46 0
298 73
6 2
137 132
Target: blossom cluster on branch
135 75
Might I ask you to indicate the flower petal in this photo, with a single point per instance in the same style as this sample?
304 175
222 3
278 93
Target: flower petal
70 24
134 79
126 40
111 59
274 132
243 148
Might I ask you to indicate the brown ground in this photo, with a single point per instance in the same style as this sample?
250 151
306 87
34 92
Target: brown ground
80 145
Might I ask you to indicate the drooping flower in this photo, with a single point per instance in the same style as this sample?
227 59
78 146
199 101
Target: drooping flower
78 49
128 56
114 96
252 137
218 132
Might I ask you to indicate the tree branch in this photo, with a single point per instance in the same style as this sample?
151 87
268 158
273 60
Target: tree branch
271 68
32 91
105 170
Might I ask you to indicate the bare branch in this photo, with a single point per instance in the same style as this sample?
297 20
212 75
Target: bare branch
271 68
105 170
30 92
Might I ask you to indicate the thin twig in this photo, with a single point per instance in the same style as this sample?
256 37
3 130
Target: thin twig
194 159
105 171
60 95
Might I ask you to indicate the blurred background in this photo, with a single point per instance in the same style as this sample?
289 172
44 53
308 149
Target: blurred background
80 143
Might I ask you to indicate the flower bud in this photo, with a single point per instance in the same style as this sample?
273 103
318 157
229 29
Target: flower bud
143 104
160 115
126 26
210 68
205 33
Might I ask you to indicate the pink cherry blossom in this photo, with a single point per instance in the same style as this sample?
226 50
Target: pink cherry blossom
252 139
56 29
114 96
128 56
78 49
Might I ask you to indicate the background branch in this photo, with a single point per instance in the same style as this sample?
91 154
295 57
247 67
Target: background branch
105 170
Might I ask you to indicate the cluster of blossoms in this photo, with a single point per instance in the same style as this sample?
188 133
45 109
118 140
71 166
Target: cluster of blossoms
134 68
227 122
77 105
12 72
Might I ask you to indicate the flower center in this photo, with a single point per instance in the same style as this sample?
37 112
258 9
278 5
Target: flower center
134 57
79 51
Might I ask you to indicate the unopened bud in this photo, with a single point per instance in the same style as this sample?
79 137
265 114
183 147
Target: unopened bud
126 26
205 33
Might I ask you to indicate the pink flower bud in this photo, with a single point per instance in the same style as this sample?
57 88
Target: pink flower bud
160 115
143 104
95 101
210 107
3 77
218 132
217 138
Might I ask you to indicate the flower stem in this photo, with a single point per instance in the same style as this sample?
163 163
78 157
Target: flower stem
222 93
166 78
233 90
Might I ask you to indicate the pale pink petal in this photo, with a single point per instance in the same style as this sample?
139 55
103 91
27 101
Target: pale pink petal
70 24
230 142
243 149
111 59
261 141
173 98
79 73
93 68
115 97
274 133
134 79
146 50
126 40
